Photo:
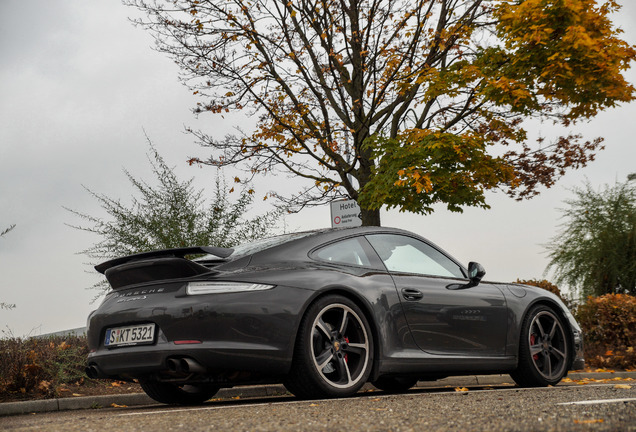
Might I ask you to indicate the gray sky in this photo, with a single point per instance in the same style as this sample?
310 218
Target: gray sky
79 85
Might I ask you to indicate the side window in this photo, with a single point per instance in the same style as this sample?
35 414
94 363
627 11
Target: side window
348 252
405 254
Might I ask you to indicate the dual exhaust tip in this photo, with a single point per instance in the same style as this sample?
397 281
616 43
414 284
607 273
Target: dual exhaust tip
184 365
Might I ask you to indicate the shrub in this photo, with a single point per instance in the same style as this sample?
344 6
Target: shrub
548 286
41 365
609 324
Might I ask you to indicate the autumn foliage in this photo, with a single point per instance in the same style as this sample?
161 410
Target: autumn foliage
609 325
398 102
40 366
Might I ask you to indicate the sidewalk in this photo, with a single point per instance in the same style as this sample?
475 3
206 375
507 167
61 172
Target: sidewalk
87 402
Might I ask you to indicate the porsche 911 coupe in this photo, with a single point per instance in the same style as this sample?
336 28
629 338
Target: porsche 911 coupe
322 312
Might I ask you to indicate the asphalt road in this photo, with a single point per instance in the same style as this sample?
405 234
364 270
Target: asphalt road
602 407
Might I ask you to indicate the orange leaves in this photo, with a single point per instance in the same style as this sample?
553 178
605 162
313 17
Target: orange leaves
574 50
590 421
414 177
609 325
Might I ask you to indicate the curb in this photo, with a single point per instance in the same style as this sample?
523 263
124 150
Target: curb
139 399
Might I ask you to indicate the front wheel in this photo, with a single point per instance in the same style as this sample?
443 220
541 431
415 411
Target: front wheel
173 394
544 351
333 356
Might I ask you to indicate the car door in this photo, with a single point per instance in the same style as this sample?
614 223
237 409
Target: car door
443 319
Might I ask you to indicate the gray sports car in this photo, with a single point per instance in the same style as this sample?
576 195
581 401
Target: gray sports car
322 312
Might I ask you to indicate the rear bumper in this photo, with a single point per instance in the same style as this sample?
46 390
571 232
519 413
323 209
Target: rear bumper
132 362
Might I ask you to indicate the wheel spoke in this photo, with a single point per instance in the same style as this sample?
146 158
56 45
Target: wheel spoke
342 368
324 358
345 321
540 327
553 329
535 349
356 348
321 326
558 352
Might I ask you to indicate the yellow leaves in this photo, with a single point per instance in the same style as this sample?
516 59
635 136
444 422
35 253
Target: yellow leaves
114 405
415 178
63 346
590 421
43 386
623 386
461 389
588 380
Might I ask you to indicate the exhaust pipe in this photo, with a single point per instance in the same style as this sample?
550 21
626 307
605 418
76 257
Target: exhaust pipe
174 365
93 372
189 365
184 365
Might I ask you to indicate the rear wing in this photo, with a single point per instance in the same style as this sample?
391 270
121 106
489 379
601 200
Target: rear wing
157 265
175 253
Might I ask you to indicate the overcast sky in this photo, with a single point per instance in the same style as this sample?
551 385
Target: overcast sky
78 87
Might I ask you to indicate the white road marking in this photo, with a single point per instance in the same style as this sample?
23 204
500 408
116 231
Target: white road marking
598 401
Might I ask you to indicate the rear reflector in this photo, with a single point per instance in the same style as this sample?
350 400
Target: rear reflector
187 342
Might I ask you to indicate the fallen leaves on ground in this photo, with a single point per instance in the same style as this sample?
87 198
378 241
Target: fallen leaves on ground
461 389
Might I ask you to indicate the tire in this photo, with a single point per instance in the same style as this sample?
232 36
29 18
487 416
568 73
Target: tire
395 384
333 356
173 394
544 349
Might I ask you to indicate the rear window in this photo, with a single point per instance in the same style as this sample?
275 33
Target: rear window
349 252
259 245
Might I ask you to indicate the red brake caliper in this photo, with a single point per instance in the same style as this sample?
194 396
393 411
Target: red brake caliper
533 340
347 355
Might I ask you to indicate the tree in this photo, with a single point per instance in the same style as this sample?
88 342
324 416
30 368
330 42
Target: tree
171 214
595 251
2 304
399 102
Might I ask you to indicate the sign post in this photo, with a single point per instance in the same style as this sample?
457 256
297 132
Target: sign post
345 214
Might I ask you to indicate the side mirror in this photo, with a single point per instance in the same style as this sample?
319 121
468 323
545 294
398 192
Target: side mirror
475 273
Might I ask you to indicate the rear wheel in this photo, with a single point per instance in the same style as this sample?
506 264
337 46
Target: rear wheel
333 356
395 384
544 352
173 394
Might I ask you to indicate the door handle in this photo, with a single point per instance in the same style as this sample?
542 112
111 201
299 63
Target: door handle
411 294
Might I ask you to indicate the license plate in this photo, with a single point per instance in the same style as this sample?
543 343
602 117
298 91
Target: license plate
130 335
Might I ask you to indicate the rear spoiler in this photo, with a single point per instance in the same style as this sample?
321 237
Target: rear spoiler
165 253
